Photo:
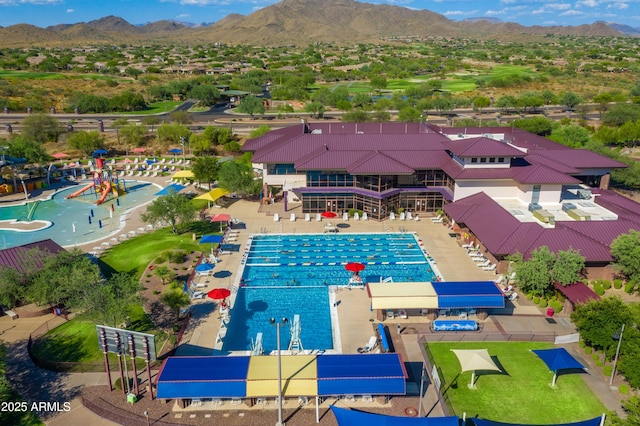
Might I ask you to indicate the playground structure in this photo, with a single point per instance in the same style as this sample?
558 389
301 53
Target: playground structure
103 183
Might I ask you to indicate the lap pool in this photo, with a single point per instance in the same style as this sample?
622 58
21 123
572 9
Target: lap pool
285 275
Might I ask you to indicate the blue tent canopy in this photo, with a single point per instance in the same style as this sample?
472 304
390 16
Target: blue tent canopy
483 422
468 294
175 151
557 359
99 152
211 239
345 416
203 377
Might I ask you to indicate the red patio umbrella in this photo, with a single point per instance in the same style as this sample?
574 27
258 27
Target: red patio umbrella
60 155
139 150
328 215
221 217
219 293
354 267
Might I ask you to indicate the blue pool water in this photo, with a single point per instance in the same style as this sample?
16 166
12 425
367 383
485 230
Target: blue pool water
285 275
63 214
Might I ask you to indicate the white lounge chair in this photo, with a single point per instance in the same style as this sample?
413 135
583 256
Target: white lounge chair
402 216
409 216
371 344
318 217
364 216
392 216
345 216
356 216
513 297
416 218
292 218
491 267
276 217
307 217
435 219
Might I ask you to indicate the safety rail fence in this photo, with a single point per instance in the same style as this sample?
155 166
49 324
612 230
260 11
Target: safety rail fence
437 376
115 414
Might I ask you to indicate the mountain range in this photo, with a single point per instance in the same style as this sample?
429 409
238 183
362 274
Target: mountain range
297 22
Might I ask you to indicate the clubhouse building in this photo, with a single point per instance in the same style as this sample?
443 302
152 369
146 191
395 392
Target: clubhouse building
503 188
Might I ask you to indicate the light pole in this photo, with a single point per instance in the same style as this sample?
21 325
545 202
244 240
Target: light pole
278 324
146 414
423 377
615 360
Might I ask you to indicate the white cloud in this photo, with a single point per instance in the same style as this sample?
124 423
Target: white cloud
183 15
587 3
616 5
572 13
495 12
17 2
460 12
70 10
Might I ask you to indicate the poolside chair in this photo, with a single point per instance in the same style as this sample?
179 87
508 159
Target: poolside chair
514 296
468 246
364 216
409 216
307 217
392 216
318 217
491 267
371 344
345 216
276 217
433 219
402 216
356 216
292 218
416 218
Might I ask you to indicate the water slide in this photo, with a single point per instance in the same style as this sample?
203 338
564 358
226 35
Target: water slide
105 192
75 194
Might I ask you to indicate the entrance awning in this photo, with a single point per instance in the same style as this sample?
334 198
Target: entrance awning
409 295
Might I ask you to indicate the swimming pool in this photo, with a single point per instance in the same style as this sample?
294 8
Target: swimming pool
285 275
65 214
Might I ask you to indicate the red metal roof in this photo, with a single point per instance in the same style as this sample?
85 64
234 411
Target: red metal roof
14 257
577 293
482 147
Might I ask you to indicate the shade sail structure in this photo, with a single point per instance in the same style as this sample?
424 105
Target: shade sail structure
204 267
203 377
591 422
218 293
328 215
211 239
468 294
409 295
354 267
558 359
174 187
213 195
367 374
299 376
475 360
346 417
183 174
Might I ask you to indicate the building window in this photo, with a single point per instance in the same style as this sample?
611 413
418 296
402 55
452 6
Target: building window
474 160
483 159
501 160
492 159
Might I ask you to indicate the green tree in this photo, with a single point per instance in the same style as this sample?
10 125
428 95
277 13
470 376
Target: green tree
570 100
164 273
259 131
21 147
568 267
409 114
12 287
626 251
133 134
539 125
207 94
171 134
86 141
205 169
356 116
378 82
619 114
180 117
173 208
151 121
537 275
238 178
251 105
41 128
315 109
572 136
481 102
175 298
108 302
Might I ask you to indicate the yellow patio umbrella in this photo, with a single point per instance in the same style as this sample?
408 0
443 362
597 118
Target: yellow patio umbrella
212 195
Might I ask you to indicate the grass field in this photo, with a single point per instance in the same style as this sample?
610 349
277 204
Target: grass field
156 108
521 393
28 75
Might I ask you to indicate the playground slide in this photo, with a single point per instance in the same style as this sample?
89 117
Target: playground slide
105 192
75 194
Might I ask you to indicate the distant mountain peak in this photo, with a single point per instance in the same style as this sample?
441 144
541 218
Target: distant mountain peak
483 18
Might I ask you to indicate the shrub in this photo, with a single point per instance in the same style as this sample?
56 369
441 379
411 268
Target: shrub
582 344
598 363
543 303
606 284
118 383
536 299
588 350
599 290
624 389
595 356
629 287
161 258
556 305
176 256
617 284
607 369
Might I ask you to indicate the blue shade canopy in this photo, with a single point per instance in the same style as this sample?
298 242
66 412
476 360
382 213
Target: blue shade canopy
204 267
352 417
211 239
174 187
483 422
557 359
175 151
99 152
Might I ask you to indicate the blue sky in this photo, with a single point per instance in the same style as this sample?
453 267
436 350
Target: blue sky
527 12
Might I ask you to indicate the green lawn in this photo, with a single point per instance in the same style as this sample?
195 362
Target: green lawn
156 108
77 340
522 393
29 75
148 246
